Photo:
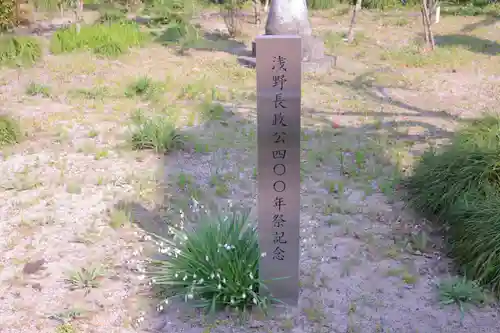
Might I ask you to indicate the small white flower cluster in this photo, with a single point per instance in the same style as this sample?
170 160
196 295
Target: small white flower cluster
228 247
168 250
160 307
140 319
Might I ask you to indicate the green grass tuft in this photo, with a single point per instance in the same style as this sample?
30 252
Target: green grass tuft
461 292
158 133
215 266
19 51
36 89
108 40
144 87
10 132
460 185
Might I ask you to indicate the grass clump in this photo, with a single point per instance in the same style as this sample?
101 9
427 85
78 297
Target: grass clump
108 40
460 185
144 87
461 292
36 89
157 133
215 265
10 132
19 51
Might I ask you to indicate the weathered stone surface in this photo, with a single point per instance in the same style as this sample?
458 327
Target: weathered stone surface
290 17
317 66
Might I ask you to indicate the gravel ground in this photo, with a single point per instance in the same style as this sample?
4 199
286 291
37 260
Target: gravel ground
61 189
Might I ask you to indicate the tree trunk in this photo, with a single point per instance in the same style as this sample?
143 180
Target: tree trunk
17 12
429 36
356 9
78 14
256 11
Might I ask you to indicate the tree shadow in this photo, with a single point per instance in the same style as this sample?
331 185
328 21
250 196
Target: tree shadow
490 20
472 43
361 85
197 39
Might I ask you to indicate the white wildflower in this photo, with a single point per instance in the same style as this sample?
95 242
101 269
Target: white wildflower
194 276
206 258
250 275
190 296
263 254
219 286
243 296
254 300
212 275
184 278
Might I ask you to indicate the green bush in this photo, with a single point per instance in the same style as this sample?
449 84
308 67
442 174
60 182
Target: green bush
19 50
108 40
460 185
472 9
10 132
215 265
7 14
369 4
322 4
112 15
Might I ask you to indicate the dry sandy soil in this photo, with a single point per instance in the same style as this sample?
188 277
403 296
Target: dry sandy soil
360 272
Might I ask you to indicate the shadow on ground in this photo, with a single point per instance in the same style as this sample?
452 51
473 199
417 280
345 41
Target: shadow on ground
472 43
214 41
490 20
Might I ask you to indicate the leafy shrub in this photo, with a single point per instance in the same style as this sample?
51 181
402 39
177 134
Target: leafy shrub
112 15
10 132
322 4
158 134
104 39
19 50
460 184
214 265
174 16
7 14
183 33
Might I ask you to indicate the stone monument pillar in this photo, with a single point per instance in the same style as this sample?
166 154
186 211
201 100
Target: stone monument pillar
290 17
